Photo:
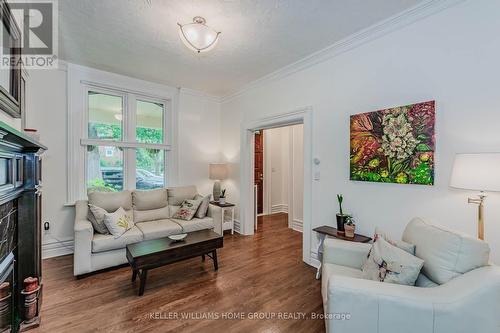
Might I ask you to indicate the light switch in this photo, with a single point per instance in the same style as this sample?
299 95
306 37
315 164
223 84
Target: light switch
317 175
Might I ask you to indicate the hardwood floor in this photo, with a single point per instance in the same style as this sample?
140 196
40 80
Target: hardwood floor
261 274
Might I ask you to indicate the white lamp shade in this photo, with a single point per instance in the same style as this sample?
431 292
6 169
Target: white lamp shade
217 171
480 172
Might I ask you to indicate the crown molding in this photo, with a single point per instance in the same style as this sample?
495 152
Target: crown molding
380 29
198 93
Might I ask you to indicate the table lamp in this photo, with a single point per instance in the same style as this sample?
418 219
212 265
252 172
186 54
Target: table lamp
479 172
217 172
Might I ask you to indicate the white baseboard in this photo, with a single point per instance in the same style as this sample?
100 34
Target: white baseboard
57 248
297 225
280 208
314 262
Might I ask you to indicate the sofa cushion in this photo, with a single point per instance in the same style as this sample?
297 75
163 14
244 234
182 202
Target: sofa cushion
203 209
177 195
96 217
151 215
118 222
195 224
111 201
101 243
187 210
159 228
447 254
388 263
150 199
173 209
410 248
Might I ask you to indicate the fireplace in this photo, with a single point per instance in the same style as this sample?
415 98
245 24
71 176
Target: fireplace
8 308
20 231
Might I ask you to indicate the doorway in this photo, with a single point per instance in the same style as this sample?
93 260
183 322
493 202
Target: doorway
248 201
278 174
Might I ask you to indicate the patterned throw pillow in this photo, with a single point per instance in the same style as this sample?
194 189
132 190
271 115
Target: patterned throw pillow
388 263
118 222
187 210
410 248
203 209
96 217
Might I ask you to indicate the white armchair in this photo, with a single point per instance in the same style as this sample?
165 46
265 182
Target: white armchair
468 302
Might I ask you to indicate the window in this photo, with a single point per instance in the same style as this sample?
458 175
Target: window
126 144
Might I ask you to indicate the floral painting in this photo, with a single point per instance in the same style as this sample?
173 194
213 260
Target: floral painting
394 145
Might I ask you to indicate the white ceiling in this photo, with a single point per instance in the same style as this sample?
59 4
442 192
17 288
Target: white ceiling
139 38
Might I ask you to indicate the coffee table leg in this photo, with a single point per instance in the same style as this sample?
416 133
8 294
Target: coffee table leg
143 276
134 275
214 255
202 257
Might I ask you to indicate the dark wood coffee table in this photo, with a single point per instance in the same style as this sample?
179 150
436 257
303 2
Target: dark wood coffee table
154 253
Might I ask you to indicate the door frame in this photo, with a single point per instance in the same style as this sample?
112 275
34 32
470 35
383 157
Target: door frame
247 145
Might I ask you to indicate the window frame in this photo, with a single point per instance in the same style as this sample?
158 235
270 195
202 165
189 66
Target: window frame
129 142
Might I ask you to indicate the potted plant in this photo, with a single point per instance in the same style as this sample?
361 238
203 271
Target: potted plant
222 198
350 227
341 217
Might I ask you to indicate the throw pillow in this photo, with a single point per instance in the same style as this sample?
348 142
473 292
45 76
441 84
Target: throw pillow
388 263
410 248
187 210
96 217
118 222
203 209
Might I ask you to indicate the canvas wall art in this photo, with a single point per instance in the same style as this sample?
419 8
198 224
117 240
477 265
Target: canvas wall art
394 145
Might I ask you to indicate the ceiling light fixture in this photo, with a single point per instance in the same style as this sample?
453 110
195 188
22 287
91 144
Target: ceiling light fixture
197 35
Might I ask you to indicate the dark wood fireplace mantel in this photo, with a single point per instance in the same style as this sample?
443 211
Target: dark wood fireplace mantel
20 208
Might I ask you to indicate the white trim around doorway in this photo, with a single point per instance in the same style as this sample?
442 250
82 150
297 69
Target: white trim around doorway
247 207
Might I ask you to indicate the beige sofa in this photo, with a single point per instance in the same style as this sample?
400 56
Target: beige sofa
151 209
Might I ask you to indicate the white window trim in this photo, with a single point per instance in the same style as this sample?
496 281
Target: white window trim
80 80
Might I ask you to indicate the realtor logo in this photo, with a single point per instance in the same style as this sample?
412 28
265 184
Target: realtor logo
37 42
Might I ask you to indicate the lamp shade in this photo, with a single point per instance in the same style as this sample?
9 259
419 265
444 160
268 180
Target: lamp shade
217 171
478 172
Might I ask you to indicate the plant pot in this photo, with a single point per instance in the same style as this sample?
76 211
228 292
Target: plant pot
349 230
341 220
222 200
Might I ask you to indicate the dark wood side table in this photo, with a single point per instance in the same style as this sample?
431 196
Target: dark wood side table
229 225
324 231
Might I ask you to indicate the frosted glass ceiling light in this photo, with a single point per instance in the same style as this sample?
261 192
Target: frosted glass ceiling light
197 35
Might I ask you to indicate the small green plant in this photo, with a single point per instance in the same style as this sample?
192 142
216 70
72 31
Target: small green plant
340 198
223 193
350 220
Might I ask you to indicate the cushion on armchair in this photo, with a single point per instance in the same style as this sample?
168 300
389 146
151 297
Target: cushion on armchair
447 254
388 263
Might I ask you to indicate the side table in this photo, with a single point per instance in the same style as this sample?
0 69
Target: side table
229 225
324 231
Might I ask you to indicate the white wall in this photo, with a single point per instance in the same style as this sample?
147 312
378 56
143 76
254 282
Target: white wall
199 138
284 172
451 57
198 143
297 177
276 165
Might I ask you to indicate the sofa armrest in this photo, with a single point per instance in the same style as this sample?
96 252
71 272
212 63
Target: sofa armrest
215 212
84 233
468 303
344 253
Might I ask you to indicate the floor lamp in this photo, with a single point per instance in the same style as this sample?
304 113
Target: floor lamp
478 172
